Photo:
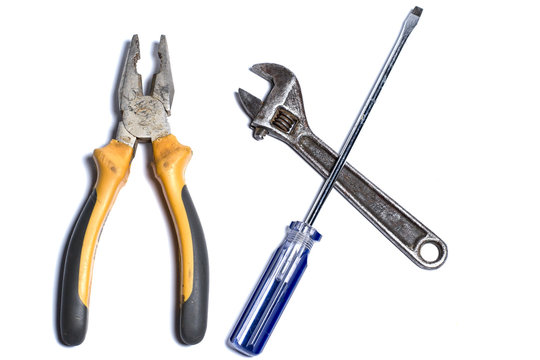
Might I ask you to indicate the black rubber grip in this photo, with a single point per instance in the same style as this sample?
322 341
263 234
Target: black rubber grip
194 310
73 312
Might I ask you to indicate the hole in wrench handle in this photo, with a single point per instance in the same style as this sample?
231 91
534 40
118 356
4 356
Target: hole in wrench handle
442 253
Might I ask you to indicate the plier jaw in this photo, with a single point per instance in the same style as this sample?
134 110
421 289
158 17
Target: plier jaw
144 117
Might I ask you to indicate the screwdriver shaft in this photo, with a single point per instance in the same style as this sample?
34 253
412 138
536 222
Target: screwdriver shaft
410 22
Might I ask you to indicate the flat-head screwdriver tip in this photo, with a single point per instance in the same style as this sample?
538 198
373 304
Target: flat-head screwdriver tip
417 11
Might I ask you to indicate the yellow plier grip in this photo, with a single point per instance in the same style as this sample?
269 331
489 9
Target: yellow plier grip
112 162
171 159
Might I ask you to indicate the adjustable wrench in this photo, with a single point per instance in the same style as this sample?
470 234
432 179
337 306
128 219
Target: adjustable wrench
282 116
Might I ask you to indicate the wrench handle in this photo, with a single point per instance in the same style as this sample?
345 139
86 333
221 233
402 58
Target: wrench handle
407 233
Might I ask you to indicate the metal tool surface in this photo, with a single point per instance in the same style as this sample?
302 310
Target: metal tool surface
282 116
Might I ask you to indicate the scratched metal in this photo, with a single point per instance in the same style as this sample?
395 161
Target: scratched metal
407 233
144 117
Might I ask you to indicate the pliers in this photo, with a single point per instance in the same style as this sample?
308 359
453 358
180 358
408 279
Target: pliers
144 118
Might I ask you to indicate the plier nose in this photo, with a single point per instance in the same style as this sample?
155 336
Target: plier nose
144 118
131 83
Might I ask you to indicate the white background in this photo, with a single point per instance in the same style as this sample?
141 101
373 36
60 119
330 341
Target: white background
452 138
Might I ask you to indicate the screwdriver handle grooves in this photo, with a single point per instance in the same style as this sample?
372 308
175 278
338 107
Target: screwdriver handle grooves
274 290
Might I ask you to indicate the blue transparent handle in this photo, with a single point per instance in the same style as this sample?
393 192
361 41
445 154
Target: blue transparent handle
273 290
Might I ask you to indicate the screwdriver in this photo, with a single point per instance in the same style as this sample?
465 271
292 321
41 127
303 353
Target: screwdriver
283 272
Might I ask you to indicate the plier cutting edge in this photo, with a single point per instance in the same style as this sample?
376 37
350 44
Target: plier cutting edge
144 118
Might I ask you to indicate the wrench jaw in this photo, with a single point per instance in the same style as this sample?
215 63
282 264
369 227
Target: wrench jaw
281 114
252 106
277 74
